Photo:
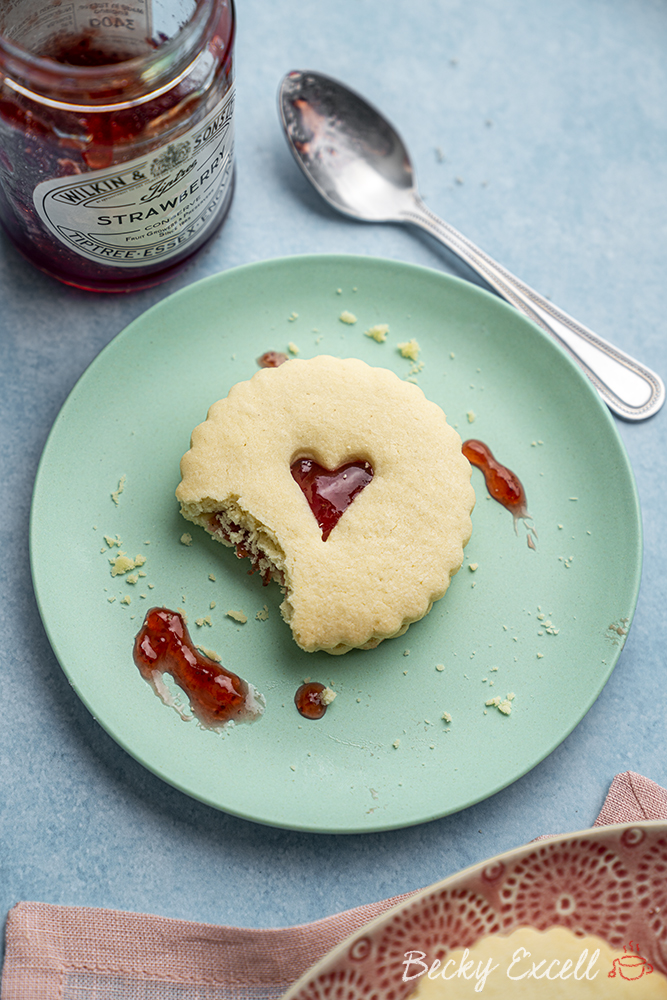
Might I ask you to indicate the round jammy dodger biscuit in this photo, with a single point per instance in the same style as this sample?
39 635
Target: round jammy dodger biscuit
344 484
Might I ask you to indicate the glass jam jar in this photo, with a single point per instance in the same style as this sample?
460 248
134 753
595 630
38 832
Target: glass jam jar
116 135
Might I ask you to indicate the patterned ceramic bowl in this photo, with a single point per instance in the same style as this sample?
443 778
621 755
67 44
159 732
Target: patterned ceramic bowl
608 881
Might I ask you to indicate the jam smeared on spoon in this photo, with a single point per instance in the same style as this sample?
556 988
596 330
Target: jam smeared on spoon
330 493
503 484
312 699
216 695
272 359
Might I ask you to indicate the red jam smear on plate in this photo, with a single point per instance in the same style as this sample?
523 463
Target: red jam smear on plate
330 492
503 484
308 700
216 695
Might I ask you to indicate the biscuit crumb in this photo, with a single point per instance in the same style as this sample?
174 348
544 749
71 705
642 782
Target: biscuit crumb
440 667
211 577
347 317
113 541
126 600
473 566
186 538
503 705
212 655
471 416
327 696
115 495
409 349
396 744
204 621
262 615
238 616
446 717
292 348
378 332
292 317
122 563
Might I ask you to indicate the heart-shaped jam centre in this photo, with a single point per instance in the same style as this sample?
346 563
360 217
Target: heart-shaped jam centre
330 493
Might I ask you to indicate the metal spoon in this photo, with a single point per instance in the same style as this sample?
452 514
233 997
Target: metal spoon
359 164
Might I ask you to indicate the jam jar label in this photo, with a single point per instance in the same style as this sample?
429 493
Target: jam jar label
121 24
150 208
124 24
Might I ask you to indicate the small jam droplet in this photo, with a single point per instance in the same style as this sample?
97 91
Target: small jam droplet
163 645
330 493
272 359
308 700
503 484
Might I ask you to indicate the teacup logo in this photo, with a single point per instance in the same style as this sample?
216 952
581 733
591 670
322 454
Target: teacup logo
631 965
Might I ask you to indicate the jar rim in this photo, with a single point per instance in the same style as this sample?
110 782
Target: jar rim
44 75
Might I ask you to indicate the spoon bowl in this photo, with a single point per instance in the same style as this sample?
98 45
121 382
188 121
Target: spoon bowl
361 167
350 153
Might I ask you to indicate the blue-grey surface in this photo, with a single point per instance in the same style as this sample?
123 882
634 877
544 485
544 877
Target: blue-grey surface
538 128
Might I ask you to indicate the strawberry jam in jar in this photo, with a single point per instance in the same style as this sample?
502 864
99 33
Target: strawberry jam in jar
116 135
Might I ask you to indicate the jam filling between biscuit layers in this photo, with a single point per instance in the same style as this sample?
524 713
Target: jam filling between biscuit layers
217 696
329 493
239 538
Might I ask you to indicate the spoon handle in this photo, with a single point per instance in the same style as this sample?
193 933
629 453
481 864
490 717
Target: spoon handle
629 388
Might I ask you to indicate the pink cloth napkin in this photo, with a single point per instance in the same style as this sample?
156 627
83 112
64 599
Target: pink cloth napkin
80 953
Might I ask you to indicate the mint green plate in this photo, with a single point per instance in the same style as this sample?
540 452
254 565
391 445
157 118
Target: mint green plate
382 757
